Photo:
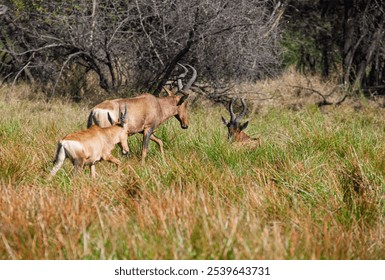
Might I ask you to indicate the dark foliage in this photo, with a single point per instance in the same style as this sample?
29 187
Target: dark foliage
327 35
138 43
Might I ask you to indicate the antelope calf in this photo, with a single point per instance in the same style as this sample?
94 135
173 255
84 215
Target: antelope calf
235 127
88 146
146 113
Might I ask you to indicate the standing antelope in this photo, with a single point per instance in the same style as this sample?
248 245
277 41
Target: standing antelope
146 113
234 126
91 145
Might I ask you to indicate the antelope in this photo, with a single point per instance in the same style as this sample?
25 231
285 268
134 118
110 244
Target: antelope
146 113
234 126
93 144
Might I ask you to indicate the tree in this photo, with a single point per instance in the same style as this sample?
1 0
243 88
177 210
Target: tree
364 49
139 43
343 34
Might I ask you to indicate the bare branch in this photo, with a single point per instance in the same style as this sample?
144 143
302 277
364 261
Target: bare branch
62 68
324 101
51 46
18 73
94 5
147 35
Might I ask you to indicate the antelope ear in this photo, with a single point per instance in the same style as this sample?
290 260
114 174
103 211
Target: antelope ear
110 119
182 99
244 125
224 121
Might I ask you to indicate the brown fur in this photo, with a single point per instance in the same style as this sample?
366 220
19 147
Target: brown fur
88 146
240 136
146 114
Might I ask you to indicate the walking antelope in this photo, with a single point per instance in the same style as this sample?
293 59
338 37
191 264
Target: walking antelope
146 113
234 126
93 144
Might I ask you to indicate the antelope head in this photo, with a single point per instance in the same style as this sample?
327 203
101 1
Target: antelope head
180 95
234 126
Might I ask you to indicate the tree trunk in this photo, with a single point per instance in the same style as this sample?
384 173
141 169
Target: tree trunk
171 66
375 40
348 48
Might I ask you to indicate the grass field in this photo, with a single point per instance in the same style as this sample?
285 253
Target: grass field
313 189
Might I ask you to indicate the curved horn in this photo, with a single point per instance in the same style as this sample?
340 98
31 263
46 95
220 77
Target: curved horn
193 78
232 115
181 76
244 109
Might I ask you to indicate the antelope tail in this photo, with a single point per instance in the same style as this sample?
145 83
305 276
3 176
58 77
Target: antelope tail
59 152
89 121
59 159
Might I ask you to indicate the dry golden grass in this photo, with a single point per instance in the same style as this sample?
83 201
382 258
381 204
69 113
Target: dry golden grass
313 189
293 91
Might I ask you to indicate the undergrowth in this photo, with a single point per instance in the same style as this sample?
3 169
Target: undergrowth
312 189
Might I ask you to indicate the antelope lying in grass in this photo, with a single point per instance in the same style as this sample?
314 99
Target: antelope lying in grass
146 113
234 126
88 146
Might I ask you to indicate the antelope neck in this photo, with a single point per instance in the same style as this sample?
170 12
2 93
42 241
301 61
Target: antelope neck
168 107
115 133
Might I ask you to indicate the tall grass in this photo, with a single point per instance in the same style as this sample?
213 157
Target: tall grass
313 189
